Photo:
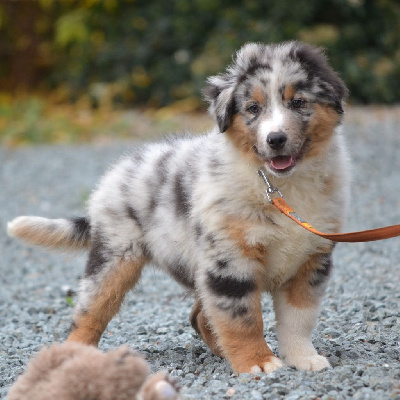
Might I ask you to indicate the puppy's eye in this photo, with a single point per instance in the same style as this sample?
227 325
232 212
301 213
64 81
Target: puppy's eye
297 103
254 109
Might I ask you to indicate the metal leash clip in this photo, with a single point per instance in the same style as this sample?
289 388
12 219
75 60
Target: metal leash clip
270 189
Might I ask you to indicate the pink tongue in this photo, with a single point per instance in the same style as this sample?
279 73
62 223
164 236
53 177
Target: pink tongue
281 162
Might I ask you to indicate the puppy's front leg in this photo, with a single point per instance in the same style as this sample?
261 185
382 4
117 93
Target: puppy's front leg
296 307
233 309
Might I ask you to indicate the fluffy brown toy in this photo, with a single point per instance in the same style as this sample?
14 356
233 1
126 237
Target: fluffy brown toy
73 371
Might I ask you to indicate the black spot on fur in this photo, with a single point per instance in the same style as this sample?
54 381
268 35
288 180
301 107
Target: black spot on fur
133 214
223 121
137 157
73 327
145 249
236 310
222 264
253 68
198 230
210 238
303 86
229 287
247 93
180 274
323 273
182 199
160 177
239 311
81 229
97 256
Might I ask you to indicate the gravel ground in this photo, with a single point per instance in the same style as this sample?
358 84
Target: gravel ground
358 328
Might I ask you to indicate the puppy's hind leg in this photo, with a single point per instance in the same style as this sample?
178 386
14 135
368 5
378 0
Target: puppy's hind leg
108 278
202 326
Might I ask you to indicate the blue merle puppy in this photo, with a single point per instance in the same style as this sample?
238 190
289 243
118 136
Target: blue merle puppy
196 208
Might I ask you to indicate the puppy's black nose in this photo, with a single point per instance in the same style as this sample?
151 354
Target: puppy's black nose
276 140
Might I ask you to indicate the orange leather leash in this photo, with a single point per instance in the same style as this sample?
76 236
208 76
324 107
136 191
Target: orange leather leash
361 236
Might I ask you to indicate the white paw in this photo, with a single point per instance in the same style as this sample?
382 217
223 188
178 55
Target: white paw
273 364
165 391
309 363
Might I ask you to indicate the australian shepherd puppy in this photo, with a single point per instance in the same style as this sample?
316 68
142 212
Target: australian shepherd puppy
196 208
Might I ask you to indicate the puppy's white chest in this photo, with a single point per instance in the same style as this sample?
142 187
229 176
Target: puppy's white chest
289 248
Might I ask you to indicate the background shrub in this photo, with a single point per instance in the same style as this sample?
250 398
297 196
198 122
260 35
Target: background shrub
157 52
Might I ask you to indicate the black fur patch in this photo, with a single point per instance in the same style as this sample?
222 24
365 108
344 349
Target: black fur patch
229 287
222 264
73 327
81 229
236 310
182 199
253 67
145 249
132 214
97 257
223 120
198 229
323 273
303 85
160 178
179 273
239 311
211 240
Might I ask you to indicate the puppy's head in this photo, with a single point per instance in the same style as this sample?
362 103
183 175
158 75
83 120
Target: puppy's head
279 104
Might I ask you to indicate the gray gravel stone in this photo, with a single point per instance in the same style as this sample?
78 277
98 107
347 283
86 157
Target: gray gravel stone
357 331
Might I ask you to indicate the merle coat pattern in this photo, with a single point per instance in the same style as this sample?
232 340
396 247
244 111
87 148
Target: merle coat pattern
196 208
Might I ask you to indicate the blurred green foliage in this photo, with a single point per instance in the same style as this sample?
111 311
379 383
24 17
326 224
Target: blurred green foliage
158 52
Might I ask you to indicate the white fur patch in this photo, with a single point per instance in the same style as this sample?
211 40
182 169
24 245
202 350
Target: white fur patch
273 124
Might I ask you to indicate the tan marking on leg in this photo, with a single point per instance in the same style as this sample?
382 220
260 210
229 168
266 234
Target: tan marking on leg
236 230
202 327
321 128
239 134
91 324
242 340
299 292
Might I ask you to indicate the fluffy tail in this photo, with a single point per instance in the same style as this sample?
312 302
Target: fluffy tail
71 233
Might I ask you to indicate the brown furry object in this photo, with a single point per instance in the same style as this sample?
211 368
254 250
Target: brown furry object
73 371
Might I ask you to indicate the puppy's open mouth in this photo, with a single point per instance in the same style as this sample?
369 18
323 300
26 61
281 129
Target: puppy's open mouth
281 164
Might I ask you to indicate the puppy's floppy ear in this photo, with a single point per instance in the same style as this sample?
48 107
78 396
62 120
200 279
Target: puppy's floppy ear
219 94
315 61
